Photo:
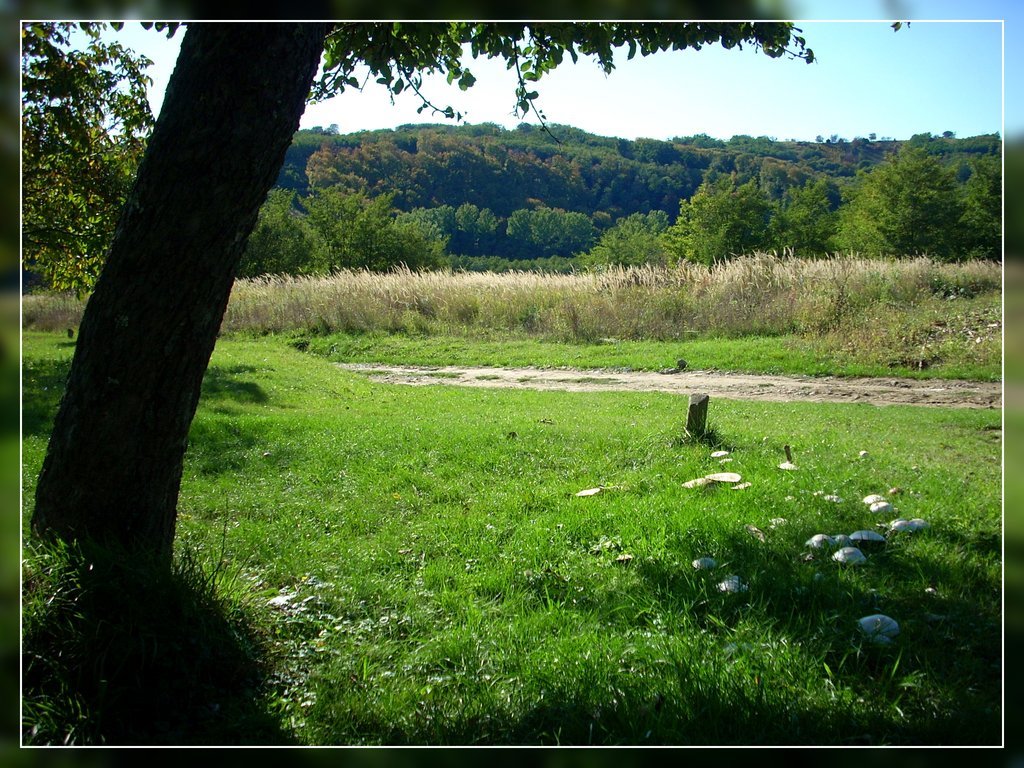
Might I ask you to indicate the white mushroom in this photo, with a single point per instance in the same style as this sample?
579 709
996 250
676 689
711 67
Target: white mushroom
879 628
819 540
863 537
873 499
901 524
704 563
849 556
881 507
723 477
282 600
719 454
732 584
833 498
697 482
787 465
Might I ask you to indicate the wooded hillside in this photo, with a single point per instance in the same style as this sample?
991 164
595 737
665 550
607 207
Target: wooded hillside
484 197
606 178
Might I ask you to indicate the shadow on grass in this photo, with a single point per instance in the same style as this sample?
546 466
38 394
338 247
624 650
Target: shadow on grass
225 383
43 386
44 382
123 652
687 712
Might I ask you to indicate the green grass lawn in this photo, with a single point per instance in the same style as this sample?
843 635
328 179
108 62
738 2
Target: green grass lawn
412 564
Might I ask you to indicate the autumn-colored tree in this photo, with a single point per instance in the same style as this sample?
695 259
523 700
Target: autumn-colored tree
84 123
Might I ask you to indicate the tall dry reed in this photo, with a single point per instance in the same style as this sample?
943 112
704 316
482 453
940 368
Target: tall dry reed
757 294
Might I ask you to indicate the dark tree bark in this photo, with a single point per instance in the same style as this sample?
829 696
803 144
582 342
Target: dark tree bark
114 462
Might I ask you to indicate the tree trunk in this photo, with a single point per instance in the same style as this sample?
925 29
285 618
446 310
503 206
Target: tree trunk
113 466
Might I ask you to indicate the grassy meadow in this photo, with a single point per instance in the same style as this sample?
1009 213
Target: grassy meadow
364 564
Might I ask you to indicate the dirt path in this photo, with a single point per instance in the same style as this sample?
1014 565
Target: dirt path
738 386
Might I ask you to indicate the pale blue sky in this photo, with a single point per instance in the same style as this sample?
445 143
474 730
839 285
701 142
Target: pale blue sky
931 76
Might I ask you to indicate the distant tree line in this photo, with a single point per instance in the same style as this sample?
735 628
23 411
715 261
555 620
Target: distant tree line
909 204
506 170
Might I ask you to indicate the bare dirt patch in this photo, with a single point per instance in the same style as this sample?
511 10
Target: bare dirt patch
738 386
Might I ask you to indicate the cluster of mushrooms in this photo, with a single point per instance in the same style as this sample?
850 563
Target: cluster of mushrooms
847 549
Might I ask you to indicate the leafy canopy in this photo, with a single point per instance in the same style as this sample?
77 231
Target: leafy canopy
723 219
398 54
84 122
909 205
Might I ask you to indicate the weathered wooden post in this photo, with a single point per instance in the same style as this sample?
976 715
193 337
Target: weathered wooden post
697 416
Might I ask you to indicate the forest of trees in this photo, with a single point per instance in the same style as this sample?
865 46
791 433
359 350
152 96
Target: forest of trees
482 197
